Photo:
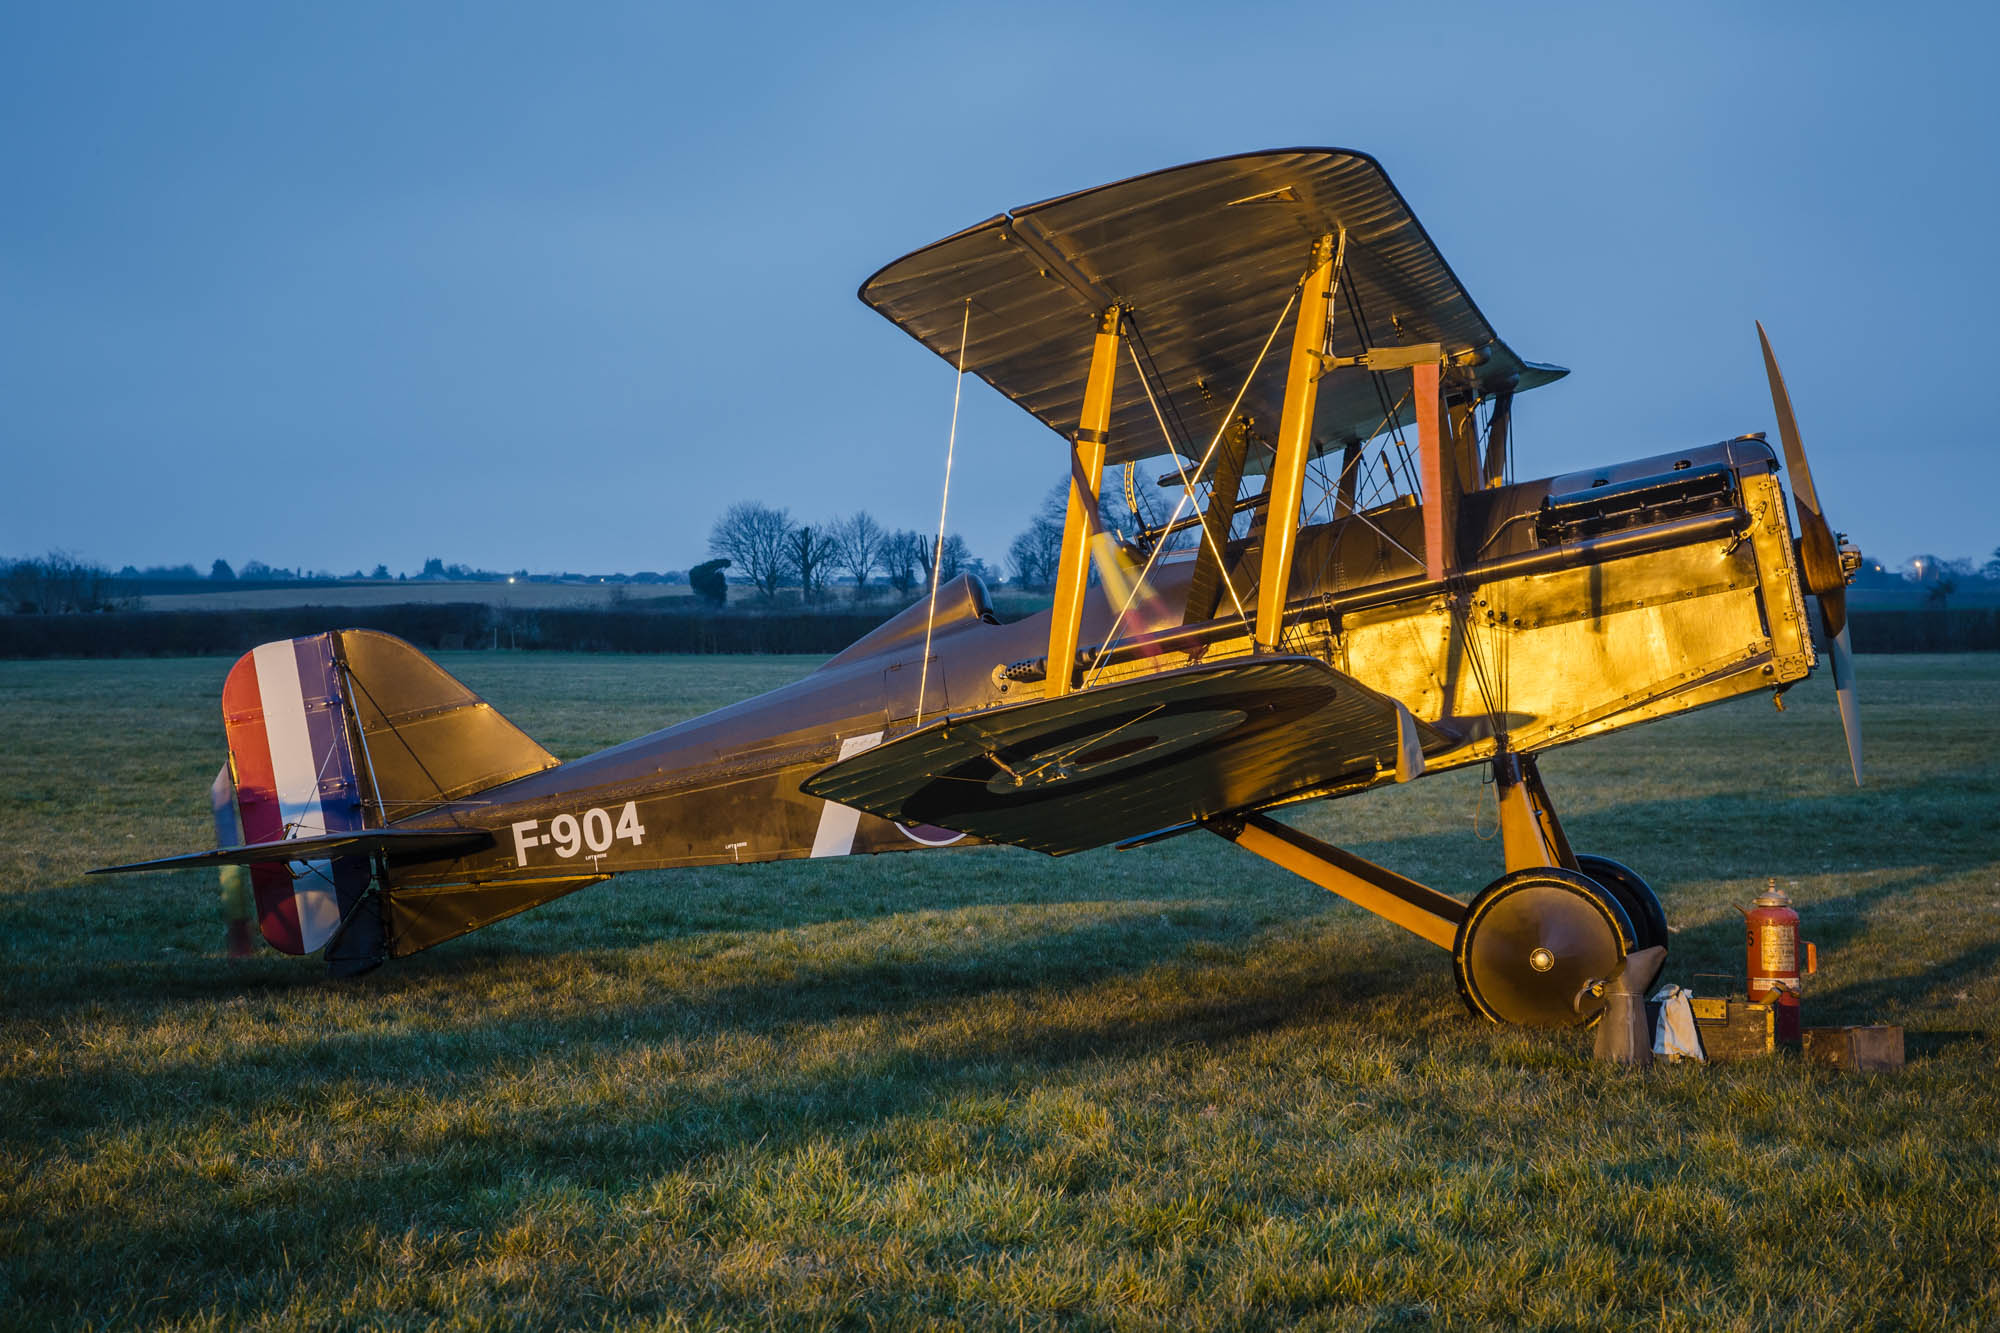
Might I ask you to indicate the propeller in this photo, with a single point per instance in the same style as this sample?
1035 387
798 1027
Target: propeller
1821 558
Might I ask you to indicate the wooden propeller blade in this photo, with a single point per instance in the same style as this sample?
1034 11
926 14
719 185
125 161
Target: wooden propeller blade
1841 650
1818 551
1819 555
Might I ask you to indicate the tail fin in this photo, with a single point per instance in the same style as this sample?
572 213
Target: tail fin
343 731
427 738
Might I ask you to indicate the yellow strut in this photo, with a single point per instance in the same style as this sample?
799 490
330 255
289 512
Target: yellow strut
1086 467
1288 468
1530 834
1417 908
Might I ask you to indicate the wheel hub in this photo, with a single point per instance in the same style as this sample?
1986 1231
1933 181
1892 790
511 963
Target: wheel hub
1531 942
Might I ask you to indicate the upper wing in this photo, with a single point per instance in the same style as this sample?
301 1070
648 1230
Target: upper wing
1060 775
1204 255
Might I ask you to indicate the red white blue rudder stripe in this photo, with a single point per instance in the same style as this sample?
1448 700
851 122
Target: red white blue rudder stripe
292 754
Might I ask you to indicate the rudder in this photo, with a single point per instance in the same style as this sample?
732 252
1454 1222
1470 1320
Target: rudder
347 730
293 766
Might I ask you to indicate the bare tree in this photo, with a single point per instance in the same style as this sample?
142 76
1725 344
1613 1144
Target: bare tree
808 552
953 557
899 560
857 547
957 556
752 536
58 584
1937 577
1033 554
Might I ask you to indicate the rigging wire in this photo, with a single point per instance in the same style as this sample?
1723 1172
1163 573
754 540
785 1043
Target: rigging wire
1187 489
944 503
1379 380
1360 468
1179 437
1200 467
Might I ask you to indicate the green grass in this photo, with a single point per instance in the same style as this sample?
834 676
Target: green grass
1166 1088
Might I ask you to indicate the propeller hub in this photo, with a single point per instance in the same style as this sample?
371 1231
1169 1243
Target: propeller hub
1850 556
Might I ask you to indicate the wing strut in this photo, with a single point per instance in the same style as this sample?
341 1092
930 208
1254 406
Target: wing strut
1205 587
1086 469
1288 468
1495 472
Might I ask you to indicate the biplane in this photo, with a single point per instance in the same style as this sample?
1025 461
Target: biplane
1351 589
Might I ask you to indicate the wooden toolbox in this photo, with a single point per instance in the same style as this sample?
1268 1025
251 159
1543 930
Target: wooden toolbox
1732 1029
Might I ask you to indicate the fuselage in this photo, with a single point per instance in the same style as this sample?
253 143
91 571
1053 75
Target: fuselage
1583 602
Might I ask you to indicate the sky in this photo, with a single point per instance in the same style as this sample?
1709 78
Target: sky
549 287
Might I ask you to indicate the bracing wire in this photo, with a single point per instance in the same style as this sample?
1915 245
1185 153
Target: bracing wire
1380 426
1187 488
944 504
1179 436
1201 467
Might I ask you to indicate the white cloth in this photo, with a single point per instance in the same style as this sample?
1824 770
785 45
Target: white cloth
1676 1038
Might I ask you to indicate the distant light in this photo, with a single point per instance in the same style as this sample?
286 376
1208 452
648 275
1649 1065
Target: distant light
510 578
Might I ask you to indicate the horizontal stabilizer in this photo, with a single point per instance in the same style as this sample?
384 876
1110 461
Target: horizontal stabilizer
424 844
1130 758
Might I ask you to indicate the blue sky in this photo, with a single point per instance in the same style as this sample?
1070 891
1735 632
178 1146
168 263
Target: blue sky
552 286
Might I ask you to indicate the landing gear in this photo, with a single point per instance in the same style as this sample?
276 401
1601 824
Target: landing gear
1523 949
1532 939
1555 921
1641 904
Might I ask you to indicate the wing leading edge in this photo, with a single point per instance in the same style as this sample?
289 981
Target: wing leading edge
1203 256
1125 759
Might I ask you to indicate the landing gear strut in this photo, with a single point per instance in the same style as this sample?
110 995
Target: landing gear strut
1555 920
1527 944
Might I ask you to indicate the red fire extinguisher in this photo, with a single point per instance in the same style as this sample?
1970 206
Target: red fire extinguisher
1771 937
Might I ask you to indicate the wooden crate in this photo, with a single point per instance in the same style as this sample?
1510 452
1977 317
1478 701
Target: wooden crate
1876 1048
1733 1029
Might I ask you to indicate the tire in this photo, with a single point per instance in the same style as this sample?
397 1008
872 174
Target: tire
1641 904
1531 940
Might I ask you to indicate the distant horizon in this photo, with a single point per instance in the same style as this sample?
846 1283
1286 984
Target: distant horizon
300 573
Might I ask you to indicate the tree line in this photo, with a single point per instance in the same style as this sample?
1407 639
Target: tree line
765 547
1036 550
771 551
777 556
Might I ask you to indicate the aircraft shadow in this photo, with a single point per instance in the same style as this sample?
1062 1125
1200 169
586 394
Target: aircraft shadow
687 1009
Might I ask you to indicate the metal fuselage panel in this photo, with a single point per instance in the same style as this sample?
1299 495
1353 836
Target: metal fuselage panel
1539 640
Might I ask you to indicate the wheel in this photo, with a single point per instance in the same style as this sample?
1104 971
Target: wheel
1641 904
1531 940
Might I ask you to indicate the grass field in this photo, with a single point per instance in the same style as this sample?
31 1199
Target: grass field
1166 1088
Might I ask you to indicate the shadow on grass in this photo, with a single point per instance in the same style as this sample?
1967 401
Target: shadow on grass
1070 1004
1050 971
1936 1041
1741 835
1870 999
